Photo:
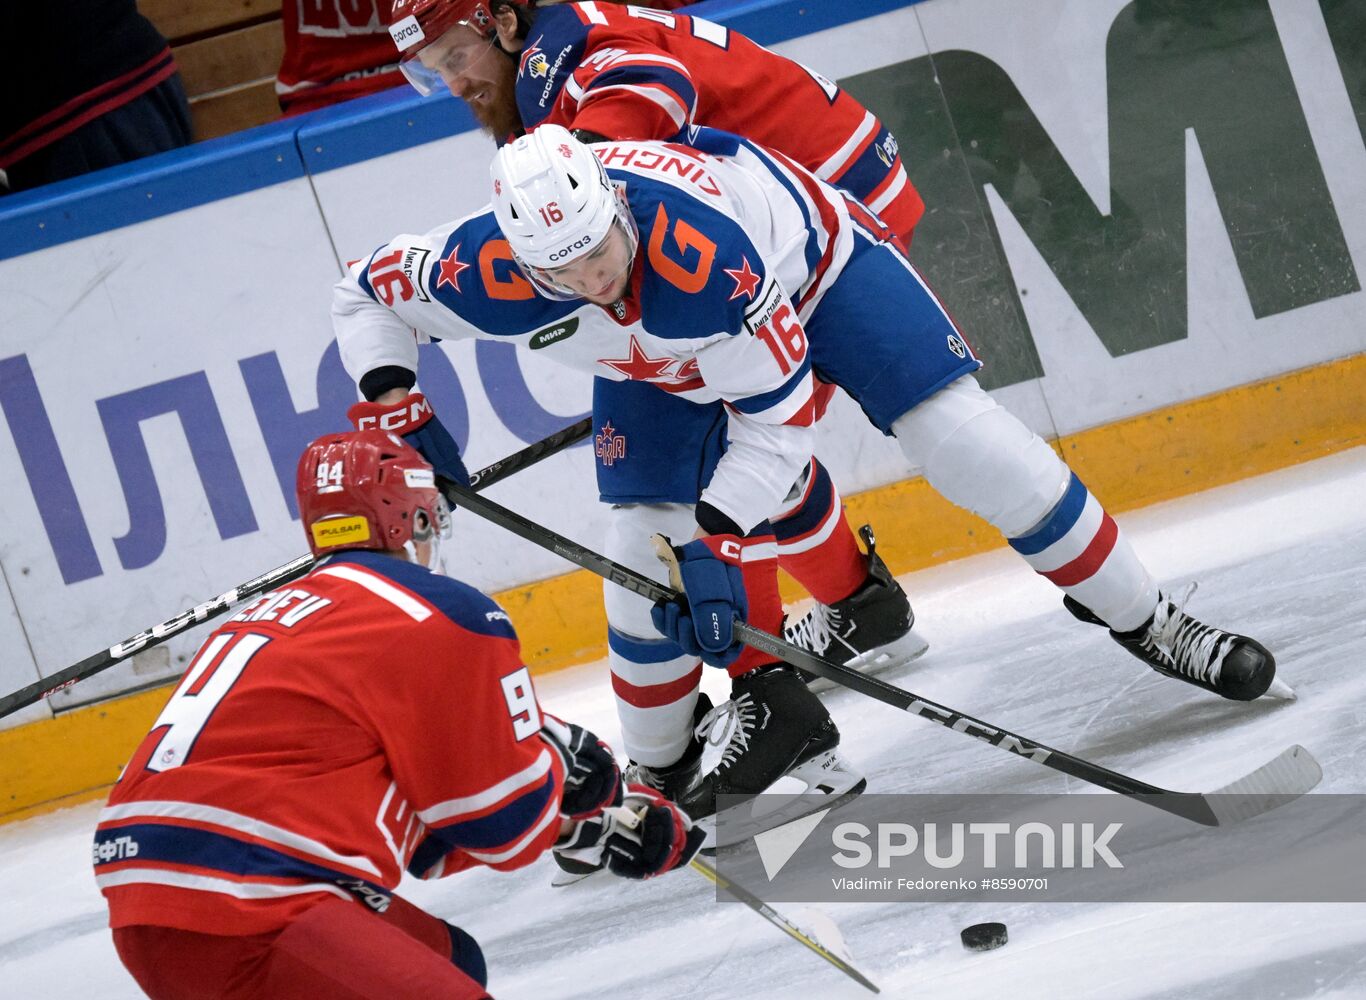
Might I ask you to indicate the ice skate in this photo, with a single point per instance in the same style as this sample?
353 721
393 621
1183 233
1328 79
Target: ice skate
1177 645
870 630
773 737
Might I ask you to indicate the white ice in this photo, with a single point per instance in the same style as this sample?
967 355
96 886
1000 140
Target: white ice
1283 557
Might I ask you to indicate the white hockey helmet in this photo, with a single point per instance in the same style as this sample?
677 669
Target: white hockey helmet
555 203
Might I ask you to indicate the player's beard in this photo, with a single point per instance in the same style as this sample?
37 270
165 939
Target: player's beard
498 114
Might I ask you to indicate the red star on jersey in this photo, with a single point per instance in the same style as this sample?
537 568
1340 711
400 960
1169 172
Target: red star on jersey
528 55
638 366
450 269
746 281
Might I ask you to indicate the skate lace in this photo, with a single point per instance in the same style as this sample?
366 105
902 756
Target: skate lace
641 775
817 630
1183 643
740 715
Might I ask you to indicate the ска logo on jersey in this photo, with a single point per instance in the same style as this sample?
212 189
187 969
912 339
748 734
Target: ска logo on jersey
609 445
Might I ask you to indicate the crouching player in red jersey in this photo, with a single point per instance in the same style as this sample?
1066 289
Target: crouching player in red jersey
372 718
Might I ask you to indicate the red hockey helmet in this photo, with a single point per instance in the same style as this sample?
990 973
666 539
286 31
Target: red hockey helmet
368 490
415 24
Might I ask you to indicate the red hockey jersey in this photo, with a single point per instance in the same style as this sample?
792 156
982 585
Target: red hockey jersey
335 50
633 73
372 717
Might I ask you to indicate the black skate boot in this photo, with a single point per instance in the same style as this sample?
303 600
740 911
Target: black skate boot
675 779
871 629
671 782
1177 645
774 736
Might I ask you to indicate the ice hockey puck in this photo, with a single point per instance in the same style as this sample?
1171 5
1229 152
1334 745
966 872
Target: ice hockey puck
984 937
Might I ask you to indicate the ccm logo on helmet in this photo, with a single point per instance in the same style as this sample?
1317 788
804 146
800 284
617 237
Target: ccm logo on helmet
402 420
406 32
576 245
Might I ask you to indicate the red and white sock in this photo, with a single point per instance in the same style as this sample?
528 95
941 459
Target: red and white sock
815 542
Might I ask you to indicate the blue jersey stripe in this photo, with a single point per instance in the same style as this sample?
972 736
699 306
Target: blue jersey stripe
813 246
183 845
503 825
861 177
648 74
767 400
363 279
721 143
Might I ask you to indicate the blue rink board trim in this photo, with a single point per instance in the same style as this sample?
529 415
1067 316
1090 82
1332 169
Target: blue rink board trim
323 140
148 188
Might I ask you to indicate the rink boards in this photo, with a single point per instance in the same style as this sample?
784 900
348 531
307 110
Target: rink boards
1153 242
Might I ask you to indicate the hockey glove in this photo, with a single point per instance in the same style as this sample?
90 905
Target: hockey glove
647 835
415 421
701 620
592 779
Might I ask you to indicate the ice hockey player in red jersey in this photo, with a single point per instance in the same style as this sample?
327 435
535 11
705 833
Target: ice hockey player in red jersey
372 718
613 71
630 72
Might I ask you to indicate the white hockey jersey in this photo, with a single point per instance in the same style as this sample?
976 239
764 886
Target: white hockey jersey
737 245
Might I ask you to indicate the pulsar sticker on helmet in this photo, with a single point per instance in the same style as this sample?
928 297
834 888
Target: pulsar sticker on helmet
333 531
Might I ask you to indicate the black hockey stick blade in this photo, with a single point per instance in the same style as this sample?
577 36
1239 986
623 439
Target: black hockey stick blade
290 571
1290 775
797 933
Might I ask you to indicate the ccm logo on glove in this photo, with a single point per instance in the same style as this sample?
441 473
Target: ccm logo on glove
400 420
414 419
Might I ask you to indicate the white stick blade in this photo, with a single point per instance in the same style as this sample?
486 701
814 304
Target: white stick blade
1289 775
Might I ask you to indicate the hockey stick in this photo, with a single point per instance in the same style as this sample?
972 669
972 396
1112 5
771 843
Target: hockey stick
264 583
1292 773
631 819
783 924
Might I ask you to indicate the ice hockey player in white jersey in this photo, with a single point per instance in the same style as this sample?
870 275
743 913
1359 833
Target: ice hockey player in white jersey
724 270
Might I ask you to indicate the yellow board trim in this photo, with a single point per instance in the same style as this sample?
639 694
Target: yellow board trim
1180 449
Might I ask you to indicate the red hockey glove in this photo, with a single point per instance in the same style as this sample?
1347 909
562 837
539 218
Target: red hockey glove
413 419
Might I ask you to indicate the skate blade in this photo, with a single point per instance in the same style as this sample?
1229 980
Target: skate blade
1280 690
826 781
562 878
881 660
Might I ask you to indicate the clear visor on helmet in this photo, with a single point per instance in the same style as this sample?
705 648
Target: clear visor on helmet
575 280
431 67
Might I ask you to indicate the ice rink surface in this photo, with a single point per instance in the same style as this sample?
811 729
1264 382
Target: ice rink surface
1282 557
